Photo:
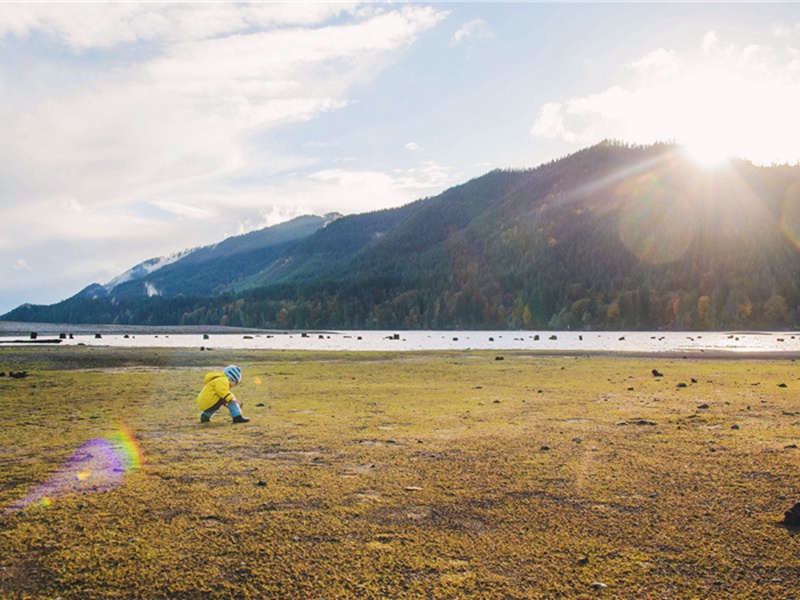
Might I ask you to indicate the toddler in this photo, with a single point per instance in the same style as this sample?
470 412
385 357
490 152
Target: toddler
216 393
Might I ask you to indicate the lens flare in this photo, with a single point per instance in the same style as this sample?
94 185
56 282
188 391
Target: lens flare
655 225
97 466
127 449
790 215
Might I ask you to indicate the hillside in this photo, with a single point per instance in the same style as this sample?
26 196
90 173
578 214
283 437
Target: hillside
612 237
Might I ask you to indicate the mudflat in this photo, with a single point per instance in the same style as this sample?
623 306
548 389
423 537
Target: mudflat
398 475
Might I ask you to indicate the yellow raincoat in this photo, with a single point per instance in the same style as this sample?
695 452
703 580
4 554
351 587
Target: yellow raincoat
217 387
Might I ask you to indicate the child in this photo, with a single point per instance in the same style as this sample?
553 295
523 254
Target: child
217 393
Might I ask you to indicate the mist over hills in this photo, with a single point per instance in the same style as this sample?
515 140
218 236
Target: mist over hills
611 237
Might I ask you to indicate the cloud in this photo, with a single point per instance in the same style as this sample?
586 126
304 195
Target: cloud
476 29
104 25
20 264
413 147
189 113
142 129
659 61
363 191
710 41
549 123
739 97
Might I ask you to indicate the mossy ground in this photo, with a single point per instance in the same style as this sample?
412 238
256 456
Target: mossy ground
423 475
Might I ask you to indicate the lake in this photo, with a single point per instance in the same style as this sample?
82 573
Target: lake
537 341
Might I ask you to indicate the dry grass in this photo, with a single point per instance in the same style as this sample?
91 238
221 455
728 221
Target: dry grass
404 476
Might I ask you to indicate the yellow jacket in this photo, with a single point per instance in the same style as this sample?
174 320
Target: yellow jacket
217 387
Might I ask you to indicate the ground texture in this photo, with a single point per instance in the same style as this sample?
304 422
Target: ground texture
453 475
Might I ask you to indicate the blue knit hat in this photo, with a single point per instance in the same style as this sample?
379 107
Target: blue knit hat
233 373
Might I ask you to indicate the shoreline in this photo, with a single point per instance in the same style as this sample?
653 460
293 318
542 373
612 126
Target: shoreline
36 351
647 344
15 328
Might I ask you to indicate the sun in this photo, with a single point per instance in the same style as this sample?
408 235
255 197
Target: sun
714 109
717 114
709 152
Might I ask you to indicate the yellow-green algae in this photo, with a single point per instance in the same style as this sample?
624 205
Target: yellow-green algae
407 475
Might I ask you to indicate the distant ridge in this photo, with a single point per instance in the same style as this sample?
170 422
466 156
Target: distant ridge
612 237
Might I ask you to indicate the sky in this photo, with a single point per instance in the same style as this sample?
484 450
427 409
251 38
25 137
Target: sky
132 131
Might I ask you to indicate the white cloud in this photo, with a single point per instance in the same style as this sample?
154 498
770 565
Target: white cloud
740 99
549 123
187 113
183 210
710 41
104 25
21 264
476 29
187 116
661 62
413 147
361 191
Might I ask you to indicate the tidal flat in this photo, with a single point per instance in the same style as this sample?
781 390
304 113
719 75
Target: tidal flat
398 475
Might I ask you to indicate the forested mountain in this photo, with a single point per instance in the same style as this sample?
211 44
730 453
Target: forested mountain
209 269
612 237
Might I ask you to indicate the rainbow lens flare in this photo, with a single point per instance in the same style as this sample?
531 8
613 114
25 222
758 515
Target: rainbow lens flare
97 466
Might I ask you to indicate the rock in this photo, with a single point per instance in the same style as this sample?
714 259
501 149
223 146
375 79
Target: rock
792 516
597 585
545 448
681 385
260 404
782 385
577 440
499 358
583 560
657 373
703 406
735 427
261 483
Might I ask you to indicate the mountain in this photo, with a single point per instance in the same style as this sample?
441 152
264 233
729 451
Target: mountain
612 237
209 269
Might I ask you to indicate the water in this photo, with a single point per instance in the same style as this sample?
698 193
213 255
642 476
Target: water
541 341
